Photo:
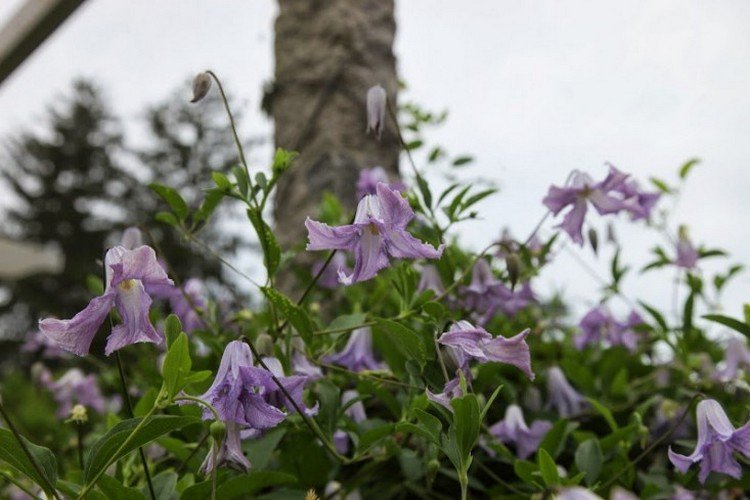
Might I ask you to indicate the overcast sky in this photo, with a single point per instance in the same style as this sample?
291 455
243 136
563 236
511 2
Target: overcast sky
534 90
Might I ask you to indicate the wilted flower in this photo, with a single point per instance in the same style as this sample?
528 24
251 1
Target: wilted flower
566 400
357 355
717 440
128 274
239 390
687 254
378 231
736 355
229 452
513 429
356 411
201 86
581 191
376 102
429 279
369 179
74 387
476 343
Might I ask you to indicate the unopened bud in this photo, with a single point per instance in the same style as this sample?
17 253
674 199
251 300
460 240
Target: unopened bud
218 431
311 495
513 264
264 344
376 102
433 466
201 86
78 415
594 240
611 235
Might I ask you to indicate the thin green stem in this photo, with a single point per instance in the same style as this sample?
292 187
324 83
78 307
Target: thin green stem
200 402
124 444
129 407
11 426
195 450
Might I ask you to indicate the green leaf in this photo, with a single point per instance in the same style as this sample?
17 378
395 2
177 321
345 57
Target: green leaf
243 485
424 189
243 183
732 323
347 321
105 450
466 423
554 440
173 199
297 316
208 205
604 411
167 218
656 315
687 166
406 340
282 160
260 450
172 328
164 486
271 249
115 490
462 160
221 181
13 454
548 468
177 365
372 436
589 459
661 185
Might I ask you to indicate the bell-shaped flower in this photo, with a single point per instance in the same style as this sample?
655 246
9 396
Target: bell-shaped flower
356 412
687 254
129 273
186 302
478 344
239 390
294 386
429 279
229 452
376 103
369 179
452 389
132 238
599 325
357 355
736 357
581 191
566 400
301 365
513 430
38 343
717 441
378 232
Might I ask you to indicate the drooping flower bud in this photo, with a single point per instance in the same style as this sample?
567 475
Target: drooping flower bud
218 430
376 101
513 264
201 86
594 240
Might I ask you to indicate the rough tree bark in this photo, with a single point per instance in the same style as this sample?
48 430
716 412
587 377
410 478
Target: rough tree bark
328 53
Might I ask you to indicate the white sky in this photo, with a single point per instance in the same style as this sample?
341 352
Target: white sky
534 90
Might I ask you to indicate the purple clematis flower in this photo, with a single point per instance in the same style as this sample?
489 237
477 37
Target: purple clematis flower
229 453
356 412
330 277
301 365
451 390
486 295
687 254
638 203
429 279
513 429
476 343
736 356
717 440
581 191
36 341
599 324
184 303
74 388
240 389
294 385
378 231
369 179
376 102
129 273
566 400
357 354
132 238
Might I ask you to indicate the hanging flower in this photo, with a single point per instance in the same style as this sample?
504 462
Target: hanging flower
566 400
357 355
376 103
513 430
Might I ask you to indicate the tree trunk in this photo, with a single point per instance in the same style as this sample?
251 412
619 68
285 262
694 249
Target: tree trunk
328 54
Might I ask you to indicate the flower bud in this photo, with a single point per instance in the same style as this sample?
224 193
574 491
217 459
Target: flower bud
264 344
611 235
201 86
376 101
78 415
218 430
594 240
513 264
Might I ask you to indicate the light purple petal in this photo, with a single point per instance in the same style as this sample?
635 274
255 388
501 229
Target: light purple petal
133 304
76 334
369 255
324 237
139 264
403 245
573 221
394 208
514 351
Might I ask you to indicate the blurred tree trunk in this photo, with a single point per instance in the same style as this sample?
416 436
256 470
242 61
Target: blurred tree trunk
328 54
